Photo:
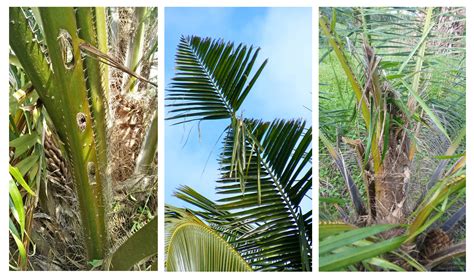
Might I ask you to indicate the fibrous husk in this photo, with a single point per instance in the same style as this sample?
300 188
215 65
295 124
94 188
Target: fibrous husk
435 240
119 47
132 114
56 229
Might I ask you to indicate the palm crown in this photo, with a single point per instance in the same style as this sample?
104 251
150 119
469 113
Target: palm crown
265 170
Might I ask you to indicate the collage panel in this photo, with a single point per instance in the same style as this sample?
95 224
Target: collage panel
238 139
392 128
83 138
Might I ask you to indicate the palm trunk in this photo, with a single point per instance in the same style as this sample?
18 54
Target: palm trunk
74 104
391 183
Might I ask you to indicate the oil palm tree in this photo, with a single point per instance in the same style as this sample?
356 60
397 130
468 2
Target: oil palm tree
265 171
60 144
396 63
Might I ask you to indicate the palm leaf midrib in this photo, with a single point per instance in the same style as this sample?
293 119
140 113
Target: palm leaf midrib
274 177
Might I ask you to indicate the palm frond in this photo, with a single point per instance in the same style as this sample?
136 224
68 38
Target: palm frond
351 186
139 246
192 245
447 254
260 212
452 221
352 246
276 176
210 213
212 80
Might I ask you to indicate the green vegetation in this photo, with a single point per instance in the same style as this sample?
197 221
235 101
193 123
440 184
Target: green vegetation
392 131
265 171
63 125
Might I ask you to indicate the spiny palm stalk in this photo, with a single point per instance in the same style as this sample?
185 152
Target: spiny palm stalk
265 171
391 98
64 53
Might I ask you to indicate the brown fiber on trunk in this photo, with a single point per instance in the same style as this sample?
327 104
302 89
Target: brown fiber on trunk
390 193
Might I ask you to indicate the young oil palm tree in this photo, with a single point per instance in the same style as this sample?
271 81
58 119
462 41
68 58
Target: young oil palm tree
402 63
258 223
60 144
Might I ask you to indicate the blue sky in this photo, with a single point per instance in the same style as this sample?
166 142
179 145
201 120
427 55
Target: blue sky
282 90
